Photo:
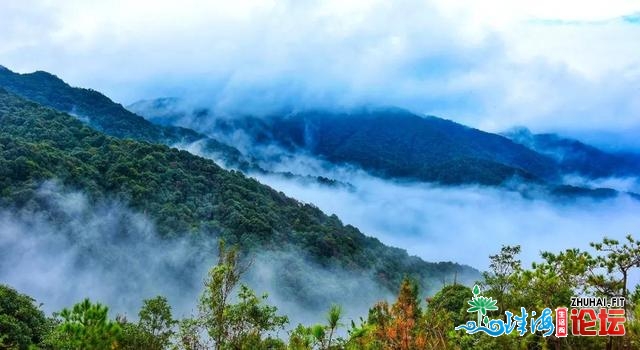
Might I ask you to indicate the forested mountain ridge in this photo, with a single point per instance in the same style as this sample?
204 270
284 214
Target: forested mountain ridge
389 142
398 144
106 116
392 142
576 157
183 193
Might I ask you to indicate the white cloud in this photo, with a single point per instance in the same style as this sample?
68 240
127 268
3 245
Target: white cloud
491 64
111 254
462 224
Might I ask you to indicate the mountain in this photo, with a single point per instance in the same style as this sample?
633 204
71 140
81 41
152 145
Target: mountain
104 115
388 142
575 157
168 111
184 194
395 143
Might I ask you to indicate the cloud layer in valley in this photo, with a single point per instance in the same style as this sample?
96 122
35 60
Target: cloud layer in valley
465 224
494 64
107 252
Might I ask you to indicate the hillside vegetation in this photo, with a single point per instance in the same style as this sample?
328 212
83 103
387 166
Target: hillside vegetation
506 292
104 115
183 194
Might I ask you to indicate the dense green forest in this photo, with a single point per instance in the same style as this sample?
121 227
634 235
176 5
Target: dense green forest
398 144
232 316
107 116
184 195
388 142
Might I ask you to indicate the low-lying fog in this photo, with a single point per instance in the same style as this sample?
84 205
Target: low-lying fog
462 224
111 254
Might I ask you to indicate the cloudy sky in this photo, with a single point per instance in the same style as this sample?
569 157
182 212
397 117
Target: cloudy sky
547 64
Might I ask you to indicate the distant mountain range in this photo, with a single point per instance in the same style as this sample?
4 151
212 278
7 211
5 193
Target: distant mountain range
387 142
395 143
578 158
183 194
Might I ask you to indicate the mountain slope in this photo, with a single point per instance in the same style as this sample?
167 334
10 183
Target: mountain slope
183 194
107 116
575 157
393 143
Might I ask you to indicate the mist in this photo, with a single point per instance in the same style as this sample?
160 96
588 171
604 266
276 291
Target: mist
76 249
103 251
491 65
464 224
622 184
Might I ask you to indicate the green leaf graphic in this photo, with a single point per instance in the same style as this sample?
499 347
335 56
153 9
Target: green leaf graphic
476 290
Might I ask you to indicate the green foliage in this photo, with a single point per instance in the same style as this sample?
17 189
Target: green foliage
133 337
318 336
85 326
245 324
102 114
333 321
186 194
304 338
22 323
248 322
452 299
618 261
553 281
154 330
155 318
214 306
183 194
188 336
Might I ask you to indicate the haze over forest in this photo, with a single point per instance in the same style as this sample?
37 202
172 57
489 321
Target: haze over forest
342 147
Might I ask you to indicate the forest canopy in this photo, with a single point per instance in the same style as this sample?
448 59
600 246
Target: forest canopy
232 316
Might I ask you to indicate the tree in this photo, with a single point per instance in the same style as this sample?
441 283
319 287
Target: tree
318 336
301 338
452 299
156 319
22 323
154 329
188 335
504 270
618 262
221 281
236 326
333 318
552 282
401 325
86 326
249 320
132 337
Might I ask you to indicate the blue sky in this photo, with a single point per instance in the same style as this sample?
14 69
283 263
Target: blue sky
550 65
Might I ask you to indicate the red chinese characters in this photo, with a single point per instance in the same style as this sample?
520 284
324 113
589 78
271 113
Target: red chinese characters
561 322
586 322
